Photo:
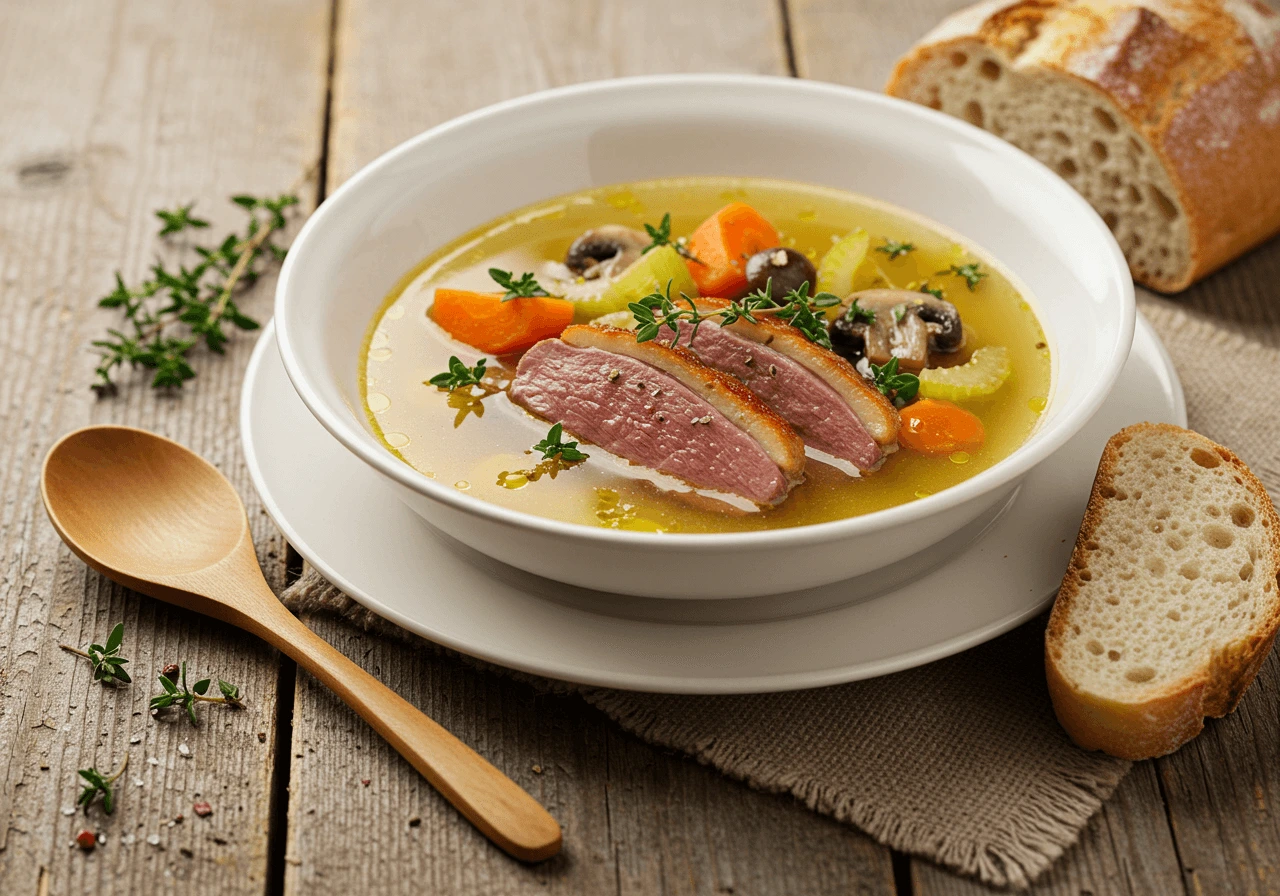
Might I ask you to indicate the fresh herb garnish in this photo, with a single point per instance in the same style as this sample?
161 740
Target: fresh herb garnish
553 447
658 310
98 783
972 273
176 694
894 249
934 291
106 658
524 288
857 313
661 236
179 220
899 312
169 314
798 311
901 387
459 375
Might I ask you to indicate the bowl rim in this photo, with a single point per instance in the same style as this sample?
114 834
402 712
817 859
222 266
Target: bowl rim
346 429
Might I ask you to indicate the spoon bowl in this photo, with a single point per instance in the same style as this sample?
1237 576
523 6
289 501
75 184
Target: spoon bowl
150 514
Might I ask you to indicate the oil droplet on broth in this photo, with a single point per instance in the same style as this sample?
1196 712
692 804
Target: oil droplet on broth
1037 404
923 493
737 194
379 354
395 439
512 480
378 402
462 485
960 457
808 214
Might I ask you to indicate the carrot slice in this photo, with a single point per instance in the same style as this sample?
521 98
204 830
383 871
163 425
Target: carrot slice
723 243
486 322
939 427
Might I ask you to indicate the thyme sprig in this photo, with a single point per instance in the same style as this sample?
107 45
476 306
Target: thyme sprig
658 310
459 375
178 694
971 273
525 288
857 313
554 447
900 387
895 249
98 783
935 291
174 310
661 236
105 658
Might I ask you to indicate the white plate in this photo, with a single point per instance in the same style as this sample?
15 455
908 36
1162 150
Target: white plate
344 519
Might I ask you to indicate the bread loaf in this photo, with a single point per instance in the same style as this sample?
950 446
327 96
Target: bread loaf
1170 603
1164 114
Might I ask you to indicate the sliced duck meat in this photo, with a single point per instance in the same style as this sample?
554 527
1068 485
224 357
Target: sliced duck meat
826 400
661 408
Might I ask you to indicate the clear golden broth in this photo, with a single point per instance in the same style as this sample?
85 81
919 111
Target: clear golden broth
481 448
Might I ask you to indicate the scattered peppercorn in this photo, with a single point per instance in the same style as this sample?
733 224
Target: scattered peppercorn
171 672
202 809
86 840
415 821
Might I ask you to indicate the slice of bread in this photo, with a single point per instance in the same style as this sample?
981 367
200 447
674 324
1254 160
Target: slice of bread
1170 603
1162 113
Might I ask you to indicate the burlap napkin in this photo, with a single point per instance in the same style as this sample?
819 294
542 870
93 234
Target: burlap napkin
960 761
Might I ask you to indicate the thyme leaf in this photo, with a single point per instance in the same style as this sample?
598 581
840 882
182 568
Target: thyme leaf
176 693
98 783
901 387
459 375
894 249
971 273
105 658
525 288
553 446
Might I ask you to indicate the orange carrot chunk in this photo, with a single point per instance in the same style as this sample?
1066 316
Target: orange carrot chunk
486 322
723 243
938 427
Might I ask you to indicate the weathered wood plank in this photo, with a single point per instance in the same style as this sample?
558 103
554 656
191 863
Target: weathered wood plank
636 819
1126 848
108 112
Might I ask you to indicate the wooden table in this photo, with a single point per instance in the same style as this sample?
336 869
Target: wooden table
108 111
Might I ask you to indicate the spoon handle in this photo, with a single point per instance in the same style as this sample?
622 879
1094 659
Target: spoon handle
495 804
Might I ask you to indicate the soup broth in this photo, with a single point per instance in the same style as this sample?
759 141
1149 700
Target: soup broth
480 445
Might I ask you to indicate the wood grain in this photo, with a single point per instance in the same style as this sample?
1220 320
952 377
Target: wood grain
108 112
635 819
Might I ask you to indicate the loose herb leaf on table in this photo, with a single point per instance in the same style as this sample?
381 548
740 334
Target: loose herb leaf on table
176 693
105 658
168 314
98 783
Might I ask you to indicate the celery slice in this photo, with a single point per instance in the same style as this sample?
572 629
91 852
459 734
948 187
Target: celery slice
652 272
984 373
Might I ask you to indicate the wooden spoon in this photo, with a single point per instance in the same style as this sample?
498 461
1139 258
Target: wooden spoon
157 518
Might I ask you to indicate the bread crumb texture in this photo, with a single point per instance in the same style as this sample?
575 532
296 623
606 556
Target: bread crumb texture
1173 576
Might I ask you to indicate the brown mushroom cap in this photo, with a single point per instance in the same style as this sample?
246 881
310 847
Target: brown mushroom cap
907 326
605 251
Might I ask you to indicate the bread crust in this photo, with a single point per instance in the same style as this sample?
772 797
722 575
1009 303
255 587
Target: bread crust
1166 719
1198 79
728 396
872 408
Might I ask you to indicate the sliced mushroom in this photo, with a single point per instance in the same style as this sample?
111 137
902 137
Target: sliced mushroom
605 251
782 270
908 326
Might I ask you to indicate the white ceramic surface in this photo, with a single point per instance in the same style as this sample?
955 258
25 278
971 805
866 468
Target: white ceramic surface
338 514
463 173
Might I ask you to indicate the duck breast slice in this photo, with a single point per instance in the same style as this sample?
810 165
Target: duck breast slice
820 394
661 408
